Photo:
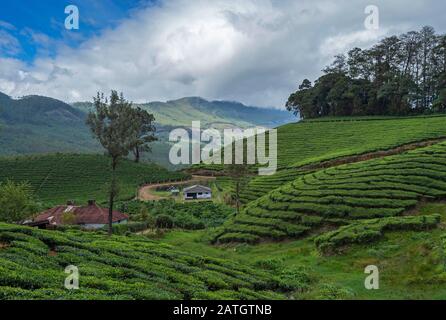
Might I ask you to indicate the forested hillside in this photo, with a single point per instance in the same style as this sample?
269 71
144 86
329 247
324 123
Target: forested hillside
182 112
36 124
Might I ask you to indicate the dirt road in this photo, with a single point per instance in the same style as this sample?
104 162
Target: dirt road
146 192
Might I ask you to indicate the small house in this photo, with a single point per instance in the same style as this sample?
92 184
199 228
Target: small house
90 216
197 192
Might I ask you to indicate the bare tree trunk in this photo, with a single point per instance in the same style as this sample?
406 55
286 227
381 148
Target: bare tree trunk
137 154
112 198
110 213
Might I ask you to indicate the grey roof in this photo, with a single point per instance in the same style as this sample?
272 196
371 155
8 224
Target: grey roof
197 188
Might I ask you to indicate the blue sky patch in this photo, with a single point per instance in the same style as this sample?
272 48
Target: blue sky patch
29 28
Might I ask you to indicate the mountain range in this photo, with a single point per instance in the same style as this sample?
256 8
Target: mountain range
37 124
183 111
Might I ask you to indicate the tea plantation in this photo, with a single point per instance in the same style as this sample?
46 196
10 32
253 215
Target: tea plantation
336 196
32 264
61 177
315 141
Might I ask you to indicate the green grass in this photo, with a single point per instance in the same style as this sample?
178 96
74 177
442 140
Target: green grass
32 264
61 177
336 196
411 263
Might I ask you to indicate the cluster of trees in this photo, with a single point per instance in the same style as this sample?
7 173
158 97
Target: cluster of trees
17 201
120 129
401 75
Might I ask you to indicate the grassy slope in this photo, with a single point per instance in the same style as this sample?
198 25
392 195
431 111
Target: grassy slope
411 263
315 141
183 265
61 177
335 196
311 142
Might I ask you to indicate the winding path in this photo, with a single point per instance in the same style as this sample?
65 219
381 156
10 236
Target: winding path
146 193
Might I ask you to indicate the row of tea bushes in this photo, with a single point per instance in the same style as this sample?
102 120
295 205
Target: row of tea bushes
376 188
32 264
365 231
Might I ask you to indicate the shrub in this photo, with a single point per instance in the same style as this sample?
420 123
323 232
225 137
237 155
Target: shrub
367 231
191 216
164 221
133 227
16 201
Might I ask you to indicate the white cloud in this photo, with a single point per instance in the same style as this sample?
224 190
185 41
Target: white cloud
254 51
9 45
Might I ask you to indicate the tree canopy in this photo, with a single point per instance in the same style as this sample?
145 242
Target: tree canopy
400 75
16 201
120 129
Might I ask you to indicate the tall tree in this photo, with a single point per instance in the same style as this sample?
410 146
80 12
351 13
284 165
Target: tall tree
144 130
239 175
111 124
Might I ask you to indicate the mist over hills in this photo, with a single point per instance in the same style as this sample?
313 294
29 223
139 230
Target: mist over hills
38 124
182 112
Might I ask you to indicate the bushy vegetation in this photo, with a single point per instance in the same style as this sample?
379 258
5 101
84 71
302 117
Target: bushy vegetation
130 227
32 264
16 201
370 230
61 177
171 214
339 195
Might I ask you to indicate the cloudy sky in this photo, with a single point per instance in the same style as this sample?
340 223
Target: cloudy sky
253 51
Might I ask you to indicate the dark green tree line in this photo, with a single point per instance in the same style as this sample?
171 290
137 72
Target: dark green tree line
400 75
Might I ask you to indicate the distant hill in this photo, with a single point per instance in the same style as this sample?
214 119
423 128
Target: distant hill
219 114
37 124
38 110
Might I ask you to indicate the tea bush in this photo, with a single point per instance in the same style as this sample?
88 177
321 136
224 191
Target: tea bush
378 188
32 264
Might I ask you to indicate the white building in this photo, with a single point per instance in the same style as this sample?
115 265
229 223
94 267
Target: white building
197 192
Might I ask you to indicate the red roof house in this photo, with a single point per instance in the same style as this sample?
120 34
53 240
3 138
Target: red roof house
91 216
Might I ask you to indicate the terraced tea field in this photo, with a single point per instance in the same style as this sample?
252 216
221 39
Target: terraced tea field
335 196
313 142
308 142
61 177
32 264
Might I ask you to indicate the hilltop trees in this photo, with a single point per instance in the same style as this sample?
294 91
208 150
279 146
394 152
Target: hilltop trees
401 75
120 129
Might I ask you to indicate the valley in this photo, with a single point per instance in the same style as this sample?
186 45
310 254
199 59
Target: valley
308 231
